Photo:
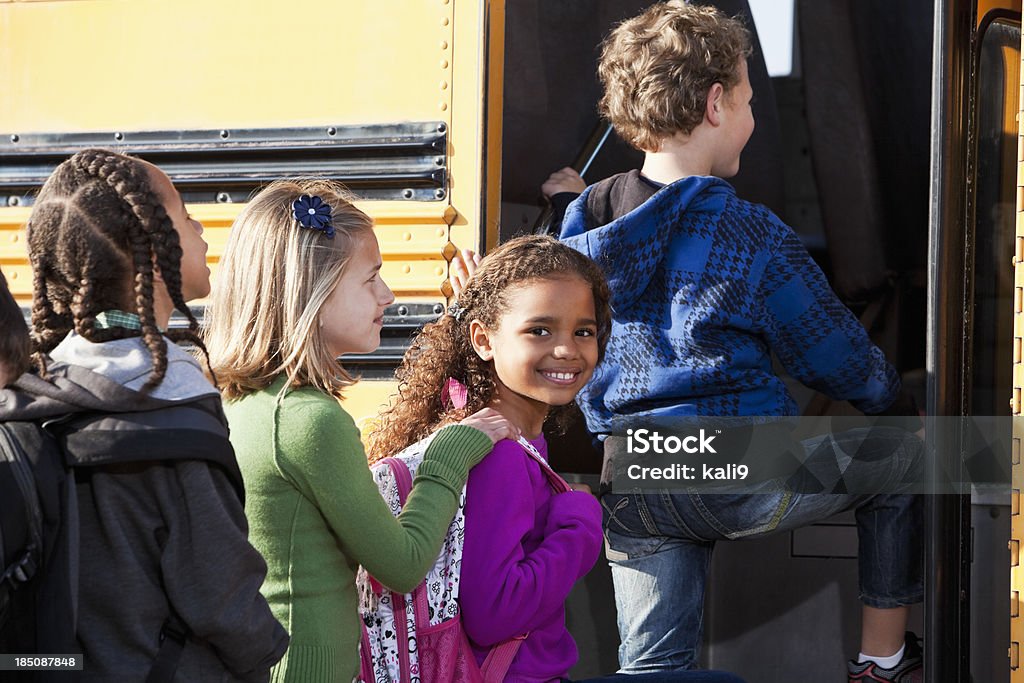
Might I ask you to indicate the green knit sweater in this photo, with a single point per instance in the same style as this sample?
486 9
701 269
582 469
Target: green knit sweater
315 514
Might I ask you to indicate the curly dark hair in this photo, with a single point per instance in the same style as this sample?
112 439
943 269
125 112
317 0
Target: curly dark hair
94 235
443 348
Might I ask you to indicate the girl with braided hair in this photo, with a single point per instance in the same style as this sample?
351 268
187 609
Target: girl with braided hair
298 287
168 584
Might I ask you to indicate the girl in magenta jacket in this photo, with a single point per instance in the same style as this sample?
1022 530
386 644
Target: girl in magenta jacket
526 335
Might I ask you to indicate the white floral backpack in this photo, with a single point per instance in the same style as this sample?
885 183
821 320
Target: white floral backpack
418 637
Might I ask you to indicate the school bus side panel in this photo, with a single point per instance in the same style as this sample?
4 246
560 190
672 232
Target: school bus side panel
178 66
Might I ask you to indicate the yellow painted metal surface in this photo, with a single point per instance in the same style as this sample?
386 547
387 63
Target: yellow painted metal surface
412 238
986 6
190 64
179 65
13 261
478 76
1017 477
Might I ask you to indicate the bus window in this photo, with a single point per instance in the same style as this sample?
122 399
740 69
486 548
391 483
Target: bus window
997 106
988 376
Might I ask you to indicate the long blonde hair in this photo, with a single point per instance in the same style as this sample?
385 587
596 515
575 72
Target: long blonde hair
273 279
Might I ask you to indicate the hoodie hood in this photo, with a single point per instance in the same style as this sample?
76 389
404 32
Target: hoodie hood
86 377
625 224
127 362
108 422
70 390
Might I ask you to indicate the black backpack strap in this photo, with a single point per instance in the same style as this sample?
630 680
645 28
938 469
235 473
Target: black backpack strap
190 431
71 540
173 637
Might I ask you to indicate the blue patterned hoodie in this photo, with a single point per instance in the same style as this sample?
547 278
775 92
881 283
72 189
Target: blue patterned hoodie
705 287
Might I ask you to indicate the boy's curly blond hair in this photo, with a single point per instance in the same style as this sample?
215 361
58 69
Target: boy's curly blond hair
657 68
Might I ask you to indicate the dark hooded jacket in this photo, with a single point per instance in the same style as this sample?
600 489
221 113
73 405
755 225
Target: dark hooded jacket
163 533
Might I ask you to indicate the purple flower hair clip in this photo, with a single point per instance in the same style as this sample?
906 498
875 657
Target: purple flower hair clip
312 212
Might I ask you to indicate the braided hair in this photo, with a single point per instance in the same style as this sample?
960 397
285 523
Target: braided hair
96 231
443 348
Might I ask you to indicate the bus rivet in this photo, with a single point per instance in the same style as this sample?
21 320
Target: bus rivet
438 309
223 198
224 134
403 310
439 193
13 201
439 161
332 131
119 136
407 193
14 138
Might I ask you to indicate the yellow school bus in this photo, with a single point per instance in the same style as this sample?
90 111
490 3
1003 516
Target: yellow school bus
431 112
225 96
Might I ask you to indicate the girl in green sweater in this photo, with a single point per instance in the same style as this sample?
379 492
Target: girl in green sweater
298 286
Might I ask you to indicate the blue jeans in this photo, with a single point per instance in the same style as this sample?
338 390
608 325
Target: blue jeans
659 544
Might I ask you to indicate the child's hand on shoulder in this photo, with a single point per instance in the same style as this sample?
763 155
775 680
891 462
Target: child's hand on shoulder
493 424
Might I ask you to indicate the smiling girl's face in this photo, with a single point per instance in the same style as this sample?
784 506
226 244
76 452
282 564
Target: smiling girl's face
544 348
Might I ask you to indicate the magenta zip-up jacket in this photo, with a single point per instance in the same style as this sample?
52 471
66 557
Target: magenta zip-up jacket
525 547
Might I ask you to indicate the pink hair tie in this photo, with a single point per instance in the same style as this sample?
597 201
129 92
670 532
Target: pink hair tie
454 393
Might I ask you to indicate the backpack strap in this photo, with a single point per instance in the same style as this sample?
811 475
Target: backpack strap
421 610
173 637
403 478
400 611
500 658
190 431
555 481
365 659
